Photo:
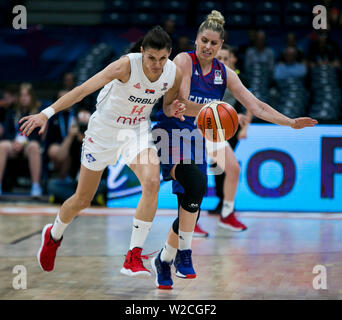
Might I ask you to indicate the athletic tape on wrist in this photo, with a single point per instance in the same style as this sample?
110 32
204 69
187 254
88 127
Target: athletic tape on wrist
49 112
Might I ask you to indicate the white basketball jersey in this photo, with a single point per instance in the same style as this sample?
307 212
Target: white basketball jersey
128 104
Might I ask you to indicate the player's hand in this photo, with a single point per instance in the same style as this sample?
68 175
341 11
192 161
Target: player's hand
243 119
177 110
29 123
300 123
242 134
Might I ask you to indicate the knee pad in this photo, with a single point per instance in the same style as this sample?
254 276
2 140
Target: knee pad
194 182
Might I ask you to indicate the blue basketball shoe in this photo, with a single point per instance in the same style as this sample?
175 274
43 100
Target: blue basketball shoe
183 264
162 270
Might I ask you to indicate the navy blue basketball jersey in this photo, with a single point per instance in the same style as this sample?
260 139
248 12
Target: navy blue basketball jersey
204 88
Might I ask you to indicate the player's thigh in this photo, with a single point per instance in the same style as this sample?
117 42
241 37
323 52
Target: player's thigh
225 158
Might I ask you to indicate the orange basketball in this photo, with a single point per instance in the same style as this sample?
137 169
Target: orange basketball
217 121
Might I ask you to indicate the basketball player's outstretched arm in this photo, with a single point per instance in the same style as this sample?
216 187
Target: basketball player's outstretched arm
171 106
119 69
260 109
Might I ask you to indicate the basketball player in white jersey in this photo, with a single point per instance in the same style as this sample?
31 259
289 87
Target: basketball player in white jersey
119 127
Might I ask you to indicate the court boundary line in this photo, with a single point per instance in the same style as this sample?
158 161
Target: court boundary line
104 211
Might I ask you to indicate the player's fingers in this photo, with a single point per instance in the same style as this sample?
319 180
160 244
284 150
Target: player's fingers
23 119
175 102
42 129
29 128
23 126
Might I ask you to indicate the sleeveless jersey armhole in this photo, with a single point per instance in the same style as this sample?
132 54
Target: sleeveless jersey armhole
131 63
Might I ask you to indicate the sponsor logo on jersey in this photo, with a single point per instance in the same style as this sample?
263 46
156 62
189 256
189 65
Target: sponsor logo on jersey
91 140
90 158
130 120
150 91
137 85
218 77
200 99
142 100
164 86
196 73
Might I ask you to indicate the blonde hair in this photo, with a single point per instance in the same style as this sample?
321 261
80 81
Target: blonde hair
215 22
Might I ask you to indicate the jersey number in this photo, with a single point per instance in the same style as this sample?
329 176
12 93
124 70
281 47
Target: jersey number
137 110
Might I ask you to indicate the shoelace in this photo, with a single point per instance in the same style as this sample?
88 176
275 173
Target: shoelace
137 257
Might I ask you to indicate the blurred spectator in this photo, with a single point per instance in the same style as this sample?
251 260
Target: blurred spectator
169 27
323 51
183 45
60 136
68 81
66 156
334 13
290 67
16 145
9 100
259 53
291 41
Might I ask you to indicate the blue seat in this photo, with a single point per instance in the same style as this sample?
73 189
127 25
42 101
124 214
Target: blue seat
144 19
298 7
115 18
175 6
298 20
147 5
238 20
238 7
178 18
208 6
268 7
118 5
268 20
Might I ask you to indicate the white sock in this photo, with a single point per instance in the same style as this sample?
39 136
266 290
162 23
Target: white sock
58 228
139 233
168 253
227 208
184 240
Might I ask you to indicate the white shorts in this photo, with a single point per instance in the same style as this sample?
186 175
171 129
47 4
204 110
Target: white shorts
104 143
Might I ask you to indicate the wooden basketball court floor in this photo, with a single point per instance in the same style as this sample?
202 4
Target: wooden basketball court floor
274 259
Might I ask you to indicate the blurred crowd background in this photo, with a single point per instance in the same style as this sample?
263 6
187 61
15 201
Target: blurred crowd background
281 58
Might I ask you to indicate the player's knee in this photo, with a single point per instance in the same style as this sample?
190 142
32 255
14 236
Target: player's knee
235 167
150 185
194 182
191 178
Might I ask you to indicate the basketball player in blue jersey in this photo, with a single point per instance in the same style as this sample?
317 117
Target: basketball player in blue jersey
119 127
204 79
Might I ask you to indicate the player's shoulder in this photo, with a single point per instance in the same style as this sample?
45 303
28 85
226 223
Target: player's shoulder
183 62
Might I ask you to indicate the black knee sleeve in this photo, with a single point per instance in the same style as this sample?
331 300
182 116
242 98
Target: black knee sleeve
194 182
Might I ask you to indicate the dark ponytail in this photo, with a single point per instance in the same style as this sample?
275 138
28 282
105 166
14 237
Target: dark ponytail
157 38
135 48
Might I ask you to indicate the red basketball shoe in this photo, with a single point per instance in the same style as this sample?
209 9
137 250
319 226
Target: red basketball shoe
230 222
133 265
47 252
199 232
